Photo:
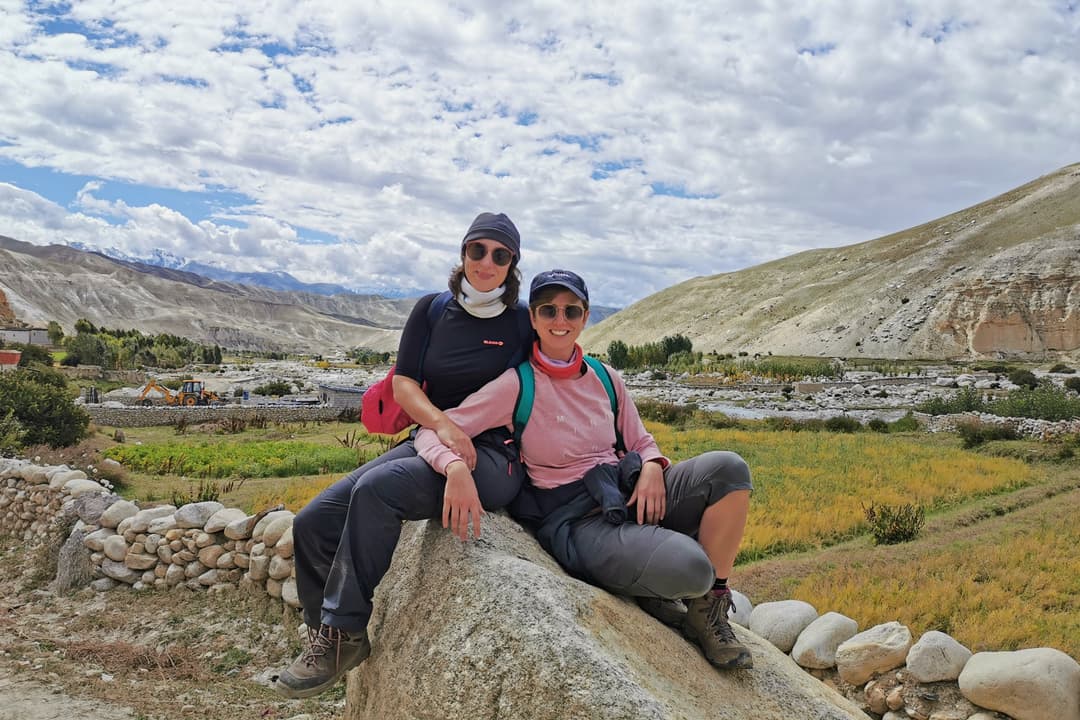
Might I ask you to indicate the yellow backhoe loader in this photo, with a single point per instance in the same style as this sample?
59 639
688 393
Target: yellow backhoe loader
191 393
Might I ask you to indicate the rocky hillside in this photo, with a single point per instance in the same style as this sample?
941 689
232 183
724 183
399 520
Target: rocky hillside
1000 279
64 284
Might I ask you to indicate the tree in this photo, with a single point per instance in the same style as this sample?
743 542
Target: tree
56 333
33 354
39 408
618 354
85 349
82 325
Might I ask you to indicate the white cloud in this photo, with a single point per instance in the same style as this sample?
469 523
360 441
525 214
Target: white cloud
388 126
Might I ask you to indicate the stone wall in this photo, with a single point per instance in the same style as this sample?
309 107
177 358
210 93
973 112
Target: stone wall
201 545
114 542
137 416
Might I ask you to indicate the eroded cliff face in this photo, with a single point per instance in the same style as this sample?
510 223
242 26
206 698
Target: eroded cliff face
7 315
1025 315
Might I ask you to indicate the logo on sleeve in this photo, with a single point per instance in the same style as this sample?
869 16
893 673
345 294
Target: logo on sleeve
498 343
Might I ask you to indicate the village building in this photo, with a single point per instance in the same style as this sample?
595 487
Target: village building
342 396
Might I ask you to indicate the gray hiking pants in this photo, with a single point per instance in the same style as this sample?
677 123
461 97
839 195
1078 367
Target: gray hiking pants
344 539
662 560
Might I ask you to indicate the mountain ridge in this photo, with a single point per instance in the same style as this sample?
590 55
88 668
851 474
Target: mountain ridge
998 279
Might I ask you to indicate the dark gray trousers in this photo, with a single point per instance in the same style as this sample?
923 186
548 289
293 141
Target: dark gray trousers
344 539
662 560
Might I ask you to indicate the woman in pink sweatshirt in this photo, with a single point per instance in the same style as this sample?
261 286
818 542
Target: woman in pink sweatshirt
680 536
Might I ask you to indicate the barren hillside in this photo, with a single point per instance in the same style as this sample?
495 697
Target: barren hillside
63 284
1001 278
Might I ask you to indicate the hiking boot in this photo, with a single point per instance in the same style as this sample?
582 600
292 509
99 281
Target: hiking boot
670 612
330 654
707 625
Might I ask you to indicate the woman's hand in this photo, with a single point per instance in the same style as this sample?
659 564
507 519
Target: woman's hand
460 500
459 443
650 494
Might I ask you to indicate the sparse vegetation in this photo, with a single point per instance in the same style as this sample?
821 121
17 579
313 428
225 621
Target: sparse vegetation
891 524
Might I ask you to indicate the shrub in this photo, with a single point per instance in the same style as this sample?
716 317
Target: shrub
276 388
1045 402
878 425
38 401
843 423
1063 369
908 423
1024 378
1073 384
32 354
664 412
968 399
975 432
793 425
891 524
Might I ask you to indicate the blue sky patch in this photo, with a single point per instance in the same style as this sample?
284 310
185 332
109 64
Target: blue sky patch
610 78
528 117
679 191
585 142
607 169
818 50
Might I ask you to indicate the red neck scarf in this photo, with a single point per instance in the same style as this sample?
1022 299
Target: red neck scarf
560 372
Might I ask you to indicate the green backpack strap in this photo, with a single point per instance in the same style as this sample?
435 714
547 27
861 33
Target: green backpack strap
605 379
523 406
527 391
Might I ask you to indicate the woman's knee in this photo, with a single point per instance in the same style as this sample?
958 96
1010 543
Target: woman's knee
725 472
679 569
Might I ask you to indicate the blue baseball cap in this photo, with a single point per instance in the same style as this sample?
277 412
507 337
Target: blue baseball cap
562 278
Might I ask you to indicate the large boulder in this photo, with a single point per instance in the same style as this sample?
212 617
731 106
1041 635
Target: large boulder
493 628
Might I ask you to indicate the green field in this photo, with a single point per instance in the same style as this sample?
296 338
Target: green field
995 566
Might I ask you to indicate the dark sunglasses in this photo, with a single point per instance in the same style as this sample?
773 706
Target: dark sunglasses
570 312
500 256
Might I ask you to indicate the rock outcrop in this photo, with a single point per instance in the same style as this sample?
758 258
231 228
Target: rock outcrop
7 315
494 628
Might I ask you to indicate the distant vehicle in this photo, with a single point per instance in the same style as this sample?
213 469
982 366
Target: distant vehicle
190 394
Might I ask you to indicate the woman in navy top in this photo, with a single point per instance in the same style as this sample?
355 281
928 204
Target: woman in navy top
345 538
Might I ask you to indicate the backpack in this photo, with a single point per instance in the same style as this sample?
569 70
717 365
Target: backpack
380 412
527 391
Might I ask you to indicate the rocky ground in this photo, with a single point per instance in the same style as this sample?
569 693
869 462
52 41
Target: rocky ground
140 655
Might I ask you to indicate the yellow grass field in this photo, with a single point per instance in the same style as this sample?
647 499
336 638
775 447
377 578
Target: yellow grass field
810 487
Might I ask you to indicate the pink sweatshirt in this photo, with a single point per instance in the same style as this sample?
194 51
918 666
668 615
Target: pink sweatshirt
570 430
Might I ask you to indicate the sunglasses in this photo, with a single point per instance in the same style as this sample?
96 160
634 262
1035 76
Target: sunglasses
500 256
570 312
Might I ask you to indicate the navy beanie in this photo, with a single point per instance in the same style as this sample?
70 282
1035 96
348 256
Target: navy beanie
489 226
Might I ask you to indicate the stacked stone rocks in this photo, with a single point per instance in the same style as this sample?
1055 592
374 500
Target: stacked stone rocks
208 546
935 678
199 545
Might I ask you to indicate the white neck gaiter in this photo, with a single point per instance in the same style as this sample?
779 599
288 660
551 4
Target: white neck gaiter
481 304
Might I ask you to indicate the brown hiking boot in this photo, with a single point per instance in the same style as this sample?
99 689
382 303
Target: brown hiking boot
670 612
330 654
707 625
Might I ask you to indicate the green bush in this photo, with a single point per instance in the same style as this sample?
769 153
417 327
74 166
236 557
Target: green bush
664 412
1073 384
276 388
974 433
968 399
32 354
1045 402
908 423
1024 378
793 425
878 425
37 400
891 524
1062 369
843 423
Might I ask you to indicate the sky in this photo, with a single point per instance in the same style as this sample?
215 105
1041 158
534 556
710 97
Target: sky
638 143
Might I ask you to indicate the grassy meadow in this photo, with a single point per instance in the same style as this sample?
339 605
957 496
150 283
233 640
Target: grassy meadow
995 566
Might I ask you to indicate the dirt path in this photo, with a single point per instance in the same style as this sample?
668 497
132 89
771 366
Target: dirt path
25 699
